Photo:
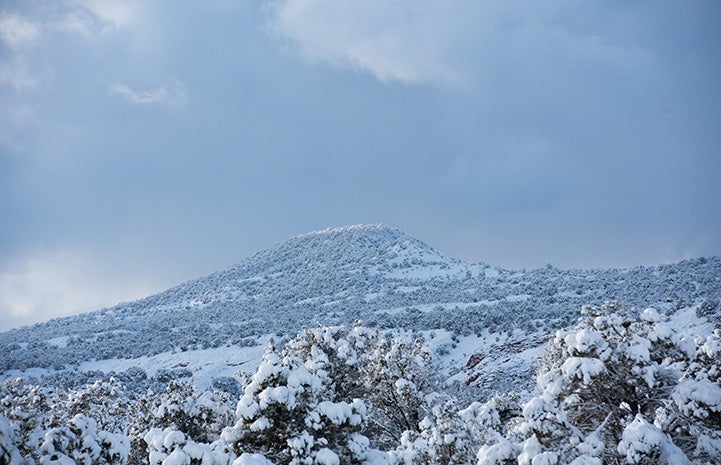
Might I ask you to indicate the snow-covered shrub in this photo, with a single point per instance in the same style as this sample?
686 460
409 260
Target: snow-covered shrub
231 385
618 388
599 375
496 416
492 421
50 425
81 442
711 310
9 453
643 443
28 408
298 407
445 437
198 415
106 402
171 447
397 375
201 415
692 417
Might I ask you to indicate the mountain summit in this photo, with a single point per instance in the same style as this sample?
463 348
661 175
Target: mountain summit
341 248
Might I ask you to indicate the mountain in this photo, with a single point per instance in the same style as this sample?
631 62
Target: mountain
485 324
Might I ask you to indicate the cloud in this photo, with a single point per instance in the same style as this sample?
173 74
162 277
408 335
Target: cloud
15 117
17 32
21 33
171 93
87 18
80 23
114 14
401 40
53 284
16 73
452 43
94 17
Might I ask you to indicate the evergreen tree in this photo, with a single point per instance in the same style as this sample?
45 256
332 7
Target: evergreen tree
296 409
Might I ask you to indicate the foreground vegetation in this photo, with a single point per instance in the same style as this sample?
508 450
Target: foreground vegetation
616 388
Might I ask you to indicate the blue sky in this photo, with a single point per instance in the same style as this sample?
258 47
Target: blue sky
147 143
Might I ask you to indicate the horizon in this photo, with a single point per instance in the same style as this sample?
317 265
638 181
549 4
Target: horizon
140 148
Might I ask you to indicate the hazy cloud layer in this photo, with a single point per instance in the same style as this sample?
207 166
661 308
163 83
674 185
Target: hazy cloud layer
514 132
52 284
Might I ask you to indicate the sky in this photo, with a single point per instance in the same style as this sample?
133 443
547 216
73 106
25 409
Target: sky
145 143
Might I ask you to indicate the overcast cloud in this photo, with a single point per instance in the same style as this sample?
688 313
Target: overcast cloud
146 143
171 93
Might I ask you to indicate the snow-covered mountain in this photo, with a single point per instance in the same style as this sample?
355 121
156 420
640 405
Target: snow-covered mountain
486 324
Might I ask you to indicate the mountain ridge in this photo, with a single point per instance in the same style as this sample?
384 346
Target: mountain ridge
379 275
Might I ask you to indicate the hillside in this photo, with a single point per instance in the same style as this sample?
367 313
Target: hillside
363 345
217 325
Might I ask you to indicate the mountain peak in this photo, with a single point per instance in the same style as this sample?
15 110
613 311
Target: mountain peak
373 228
343 247
359 235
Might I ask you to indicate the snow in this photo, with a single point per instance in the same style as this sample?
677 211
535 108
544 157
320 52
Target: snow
327 457
433 307
301 377
260 424
640 439
518 298
247 407
638 349
276 395
500 452
535 409
252 459
687 322
532 454
591 447
584 341
583 368
59 342
712 345
206 364
696 397
177 457
307 365
650 315
8 449
407 289
341 412
491 273
586 460
370 297
173 438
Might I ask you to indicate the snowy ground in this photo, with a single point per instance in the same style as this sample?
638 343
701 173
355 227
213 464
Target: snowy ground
490 361
205 364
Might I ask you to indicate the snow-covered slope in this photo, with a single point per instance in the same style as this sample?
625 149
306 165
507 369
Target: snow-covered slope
486 324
